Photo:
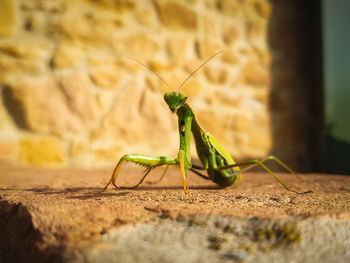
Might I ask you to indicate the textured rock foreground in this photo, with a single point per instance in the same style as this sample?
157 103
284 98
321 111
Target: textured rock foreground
58 215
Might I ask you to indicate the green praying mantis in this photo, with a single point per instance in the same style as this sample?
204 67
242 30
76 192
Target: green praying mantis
220 166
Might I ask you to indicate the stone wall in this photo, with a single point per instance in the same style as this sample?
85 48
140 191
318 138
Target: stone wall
71 96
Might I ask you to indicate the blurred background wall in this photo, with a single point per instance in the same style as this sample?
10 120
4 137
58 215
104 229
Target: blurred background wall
70 95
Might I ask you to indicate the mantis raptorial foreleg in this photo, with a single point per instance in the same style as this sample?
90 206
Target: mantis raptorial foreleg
253 163
149 162
183 171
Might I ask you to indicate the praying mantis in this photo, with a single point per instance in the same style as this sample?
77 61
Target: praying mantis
220 166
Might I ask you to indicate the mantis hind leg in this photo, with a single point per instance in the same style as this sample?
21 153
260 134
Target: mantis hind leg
150 162
254 163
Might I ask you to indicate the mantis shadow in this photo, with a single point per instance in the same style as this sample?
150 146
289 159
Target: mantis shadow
83 193
70 192
142 188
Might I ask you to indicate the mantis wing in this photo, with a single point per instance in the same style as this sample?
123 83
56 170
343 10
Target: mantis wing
221 150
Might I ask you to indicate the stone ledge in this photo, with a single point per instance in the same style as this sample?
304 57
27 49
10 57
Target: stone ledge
57 215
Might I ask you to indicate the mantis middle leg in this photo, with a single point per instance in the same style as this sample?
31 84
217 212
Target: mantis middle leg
197 167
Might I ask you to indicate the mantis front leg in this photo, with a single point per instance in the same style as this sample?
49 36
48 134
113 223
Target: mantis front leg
183 171
150 162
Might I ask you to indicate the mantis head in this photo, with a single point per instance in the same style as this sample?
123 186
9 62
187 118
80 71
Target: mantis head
175 100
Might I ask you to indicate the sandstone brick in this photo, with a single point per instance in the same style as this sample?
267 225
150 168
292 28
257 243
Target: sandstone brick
218 123
105 99
244 51
98 59
8 17
230 57
255 75
172 78
119 6
177 16
107 78
254 124
57 6
34 22
206 48
92 29
256 29
240 140
210 4
80 154
26 103
56 105
158 66
209 97
67 56
80 100
46 151
230 34
129 66
146 14
223 96
192 64
79 147
10 66
260 140
103 153
155 84
263 55
216 74
192 86
33 49
242 122
263 8
30 5
177 49
211 26
72 26
230 8
262 95
139 46
192 1
144 18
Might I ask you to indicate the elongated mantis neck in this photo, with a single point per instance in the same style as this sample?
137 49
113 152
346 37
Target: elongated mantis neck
186 112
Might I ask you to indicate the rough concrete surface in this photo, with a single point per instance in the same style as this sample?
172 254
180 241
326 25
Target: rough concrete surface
58 215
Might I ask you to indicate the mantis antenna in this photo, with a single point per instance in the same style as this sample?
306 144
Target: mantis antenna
147 67
189 76
205 62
